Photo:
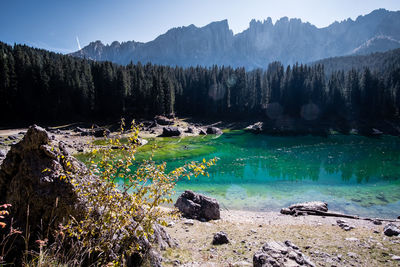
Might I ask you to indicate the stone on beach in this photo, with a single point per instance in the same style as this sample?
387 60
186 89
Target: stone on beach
280 254
197 206
220 238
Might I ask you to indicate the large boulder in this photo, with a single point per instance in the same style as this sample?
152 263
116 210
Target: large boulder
31 179
280 254
197 206
171 131
213 130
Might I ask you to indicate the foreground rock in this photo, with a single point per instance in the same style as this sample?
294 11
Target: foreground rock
197 206
280 254
220 238
306 207
30 176
391 230
171 131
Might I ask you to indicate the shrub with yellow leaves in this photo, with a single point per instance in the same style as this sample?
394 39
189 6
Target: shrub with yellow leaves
125 200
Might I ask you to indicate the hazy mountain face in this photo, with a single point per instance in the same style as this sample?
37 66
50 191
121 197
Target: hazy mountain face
288 41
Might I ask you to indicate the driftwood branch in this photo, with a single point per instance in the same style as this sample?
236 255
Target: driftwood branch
335 214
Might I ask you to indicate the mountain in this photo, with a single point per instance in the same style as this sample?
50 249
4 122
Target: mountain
379 62
288 41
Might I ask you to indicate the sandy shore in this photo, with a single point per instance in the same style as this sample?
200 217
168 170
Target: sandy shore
320 238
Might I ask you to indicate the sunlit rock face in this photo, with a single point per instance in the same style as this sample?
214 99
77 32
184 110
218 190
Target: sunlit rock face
286 40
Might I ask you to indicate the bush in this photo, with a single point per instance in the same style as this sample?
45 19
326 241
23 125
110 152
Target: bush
124 200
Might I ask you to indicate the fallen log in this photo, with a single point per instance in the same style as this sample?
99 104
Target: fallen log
321 209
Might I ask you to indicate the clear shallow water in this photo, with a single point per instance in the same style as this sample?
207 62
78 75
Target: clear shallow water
354 174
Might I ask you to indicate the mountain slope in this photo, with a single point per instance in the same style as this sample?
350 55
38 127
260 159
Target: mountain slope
288 41
376 62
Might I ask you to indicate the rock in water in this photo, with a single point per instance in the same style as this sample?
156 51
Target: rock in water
171 131
197 206
391 230
220 238
213 130
280 254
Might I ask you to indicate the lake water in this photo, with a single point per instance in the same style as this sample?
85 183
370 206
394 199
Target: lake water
353 174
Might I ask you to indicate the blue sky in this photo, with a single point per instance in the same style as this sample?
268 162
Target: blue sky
56 24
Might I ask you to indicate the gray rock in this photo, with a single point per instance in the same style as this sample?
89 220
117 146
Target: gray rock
344 225
279 254
22 174
189 222
12 137
220 238
3 153
255 128
171 131
213 130
377 222
391 230
100 132
162 120
96 132
395 258
197 206
286 211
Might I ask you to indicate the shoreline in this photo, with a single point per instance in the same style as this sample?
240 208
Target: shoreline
319 238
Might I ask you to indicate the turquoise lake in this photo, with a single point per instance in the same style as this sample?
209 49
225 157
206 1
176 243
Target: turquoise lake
353 174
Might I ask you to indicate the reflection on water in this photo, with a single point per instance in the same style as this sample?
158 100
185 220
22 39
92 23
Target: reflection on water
353 174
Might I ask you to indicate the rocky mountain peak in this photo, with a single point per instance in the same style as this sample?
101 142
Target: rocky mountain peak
288 41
